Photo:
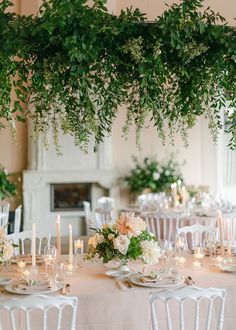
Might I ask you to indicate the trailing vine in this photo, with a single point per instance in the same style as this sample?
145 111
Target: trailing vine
72 66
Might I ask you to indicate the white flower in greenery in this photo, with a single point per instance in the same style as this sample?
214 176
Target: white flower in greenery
121 243
156 176
110 236
167 173
8 250
150 252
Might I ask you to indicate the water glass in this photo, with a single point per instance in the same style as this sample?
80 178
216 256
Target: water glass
50 255
78 251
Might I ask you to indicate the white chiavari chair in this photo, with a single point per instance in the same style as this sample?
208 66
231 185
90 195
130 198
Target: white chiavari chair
194 235
39 312
163 225
88 218
188 308
105 213
4 215
23 240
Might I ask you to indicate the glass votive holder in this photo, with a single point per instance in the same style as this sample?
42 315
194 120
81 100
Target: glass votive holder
198 253
197 265
78 251
21 266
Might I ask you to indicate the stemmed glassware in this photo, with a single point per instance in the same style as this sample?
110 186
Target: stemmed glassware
211 243
50 255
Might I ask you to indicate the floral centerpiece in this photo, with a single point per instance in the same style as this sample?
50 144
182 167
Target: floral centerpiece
153 175
6 247
127 239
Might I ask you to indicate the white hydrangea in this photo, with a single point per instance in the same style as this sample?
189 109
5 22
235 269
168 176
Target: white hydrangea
121 243
150 252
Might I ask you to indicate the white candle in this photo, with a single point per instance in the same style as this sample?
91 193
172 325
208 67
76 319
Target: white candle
182 260
33 244
58 235
174 193
21 265
229 236
198 254
70 245
196 265
220 226
70 268
184 196
26 273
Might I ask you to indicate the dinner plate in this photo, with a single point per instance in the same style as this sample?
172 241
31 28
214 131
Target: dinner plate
117 273
5 281
27 258
135 279
32 290
228 267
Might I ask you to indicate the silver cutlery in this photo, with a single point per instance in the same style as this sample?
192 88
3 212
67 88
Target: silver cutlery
189 281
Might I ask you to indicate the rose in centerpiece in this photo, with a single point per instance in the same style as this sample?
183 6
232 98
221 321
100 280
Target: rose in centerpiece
127 239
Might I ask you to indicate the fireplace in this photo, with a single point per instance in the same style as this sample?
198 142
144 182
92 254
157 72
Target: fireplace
58 185
69 196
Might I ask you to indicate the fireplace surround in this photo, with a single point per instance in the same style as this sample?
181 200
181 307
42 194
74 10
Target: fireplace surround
46 169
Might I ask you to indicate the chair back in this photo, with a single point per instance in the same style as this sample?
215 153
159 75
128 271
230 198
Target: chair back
38 312
17 220
4 215
23 240
88 218
188 308
162 225
194 235
106 203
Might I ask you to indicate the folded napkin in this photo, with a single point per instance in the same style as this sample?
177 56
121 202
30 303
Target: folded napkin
27 286
153 280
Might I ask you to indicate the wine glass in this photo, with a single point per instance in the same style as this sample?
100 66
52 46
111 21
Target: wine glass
50 255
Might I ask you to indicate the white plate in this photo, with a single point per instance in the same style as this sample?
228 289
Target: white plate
11 288
117 273
5 281
228 268
135 279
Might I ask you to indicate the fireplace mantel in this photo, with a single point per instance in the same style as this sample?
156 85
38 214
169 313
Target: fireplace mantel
73 166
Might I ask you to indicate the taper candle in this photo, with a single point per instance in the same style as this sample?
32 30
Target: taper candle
33 244
58 235
70 245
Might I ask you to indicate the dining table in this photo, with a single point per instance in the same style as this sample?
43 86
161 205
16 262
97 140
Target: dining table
110 303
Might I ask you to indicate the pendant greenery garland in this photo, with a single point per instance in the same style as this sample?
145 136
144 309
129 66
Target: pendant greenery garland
72 66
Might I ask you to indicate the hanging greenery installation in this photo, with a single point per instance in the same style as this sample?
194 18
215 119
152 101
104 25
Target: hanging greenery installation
72 66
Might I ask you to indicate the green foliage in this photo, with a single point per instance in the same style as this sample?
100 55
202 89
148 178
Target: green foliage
153 175
6 187
77 64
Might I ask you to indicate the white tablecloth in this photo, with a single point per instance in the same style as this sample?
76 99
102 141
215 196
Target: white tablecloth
104 304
